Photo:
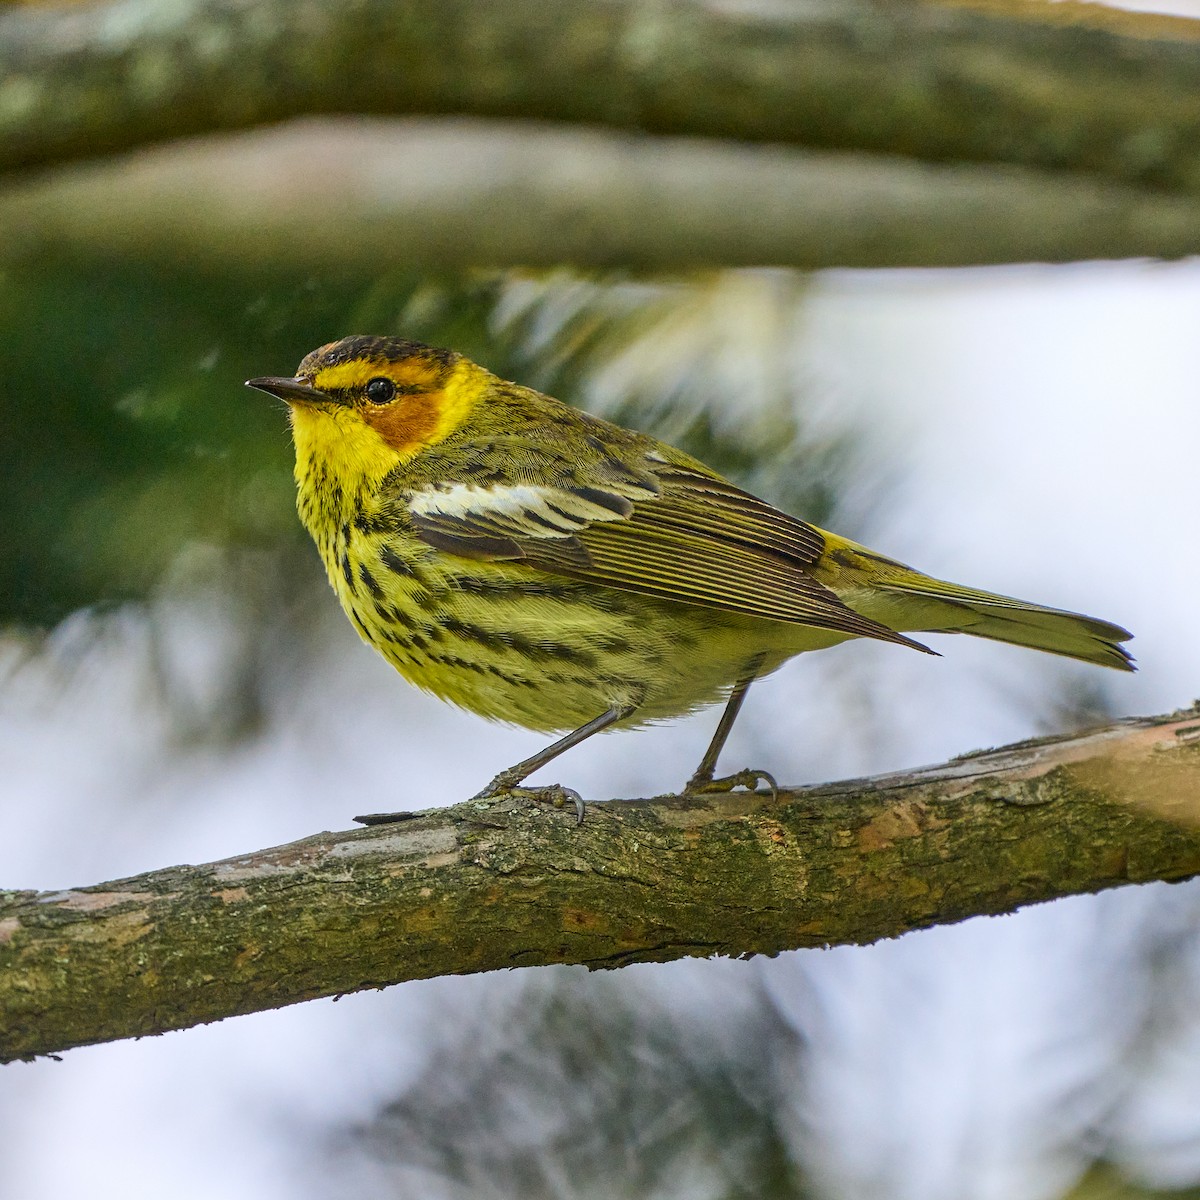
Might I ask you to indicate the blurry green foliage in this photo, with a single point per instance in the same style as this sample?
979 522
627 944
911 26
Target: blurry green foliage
125 431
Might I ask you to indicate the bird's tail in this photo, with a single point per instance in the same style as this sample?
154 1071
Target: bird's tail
950 608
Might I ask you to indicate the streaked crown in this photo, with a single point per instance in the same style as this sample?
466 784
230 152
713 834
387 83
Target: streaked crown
345 370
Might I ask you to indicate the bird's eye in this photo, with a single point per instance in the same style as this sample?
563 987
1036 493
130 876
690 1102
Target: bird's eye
380 390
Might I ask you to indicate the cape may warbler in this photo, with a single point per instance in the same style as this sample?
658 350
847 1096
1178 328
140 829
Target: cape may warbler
537 565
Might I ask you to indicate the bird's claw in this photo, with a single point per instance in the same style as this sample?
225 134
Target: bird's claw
553 793
749 779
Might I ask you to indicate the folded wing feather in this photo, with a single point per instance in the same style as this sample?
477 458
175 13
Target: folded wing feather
675 533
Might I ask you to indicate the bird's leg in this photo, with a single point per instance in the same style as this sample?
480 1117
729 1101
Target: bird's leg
507 781
702 780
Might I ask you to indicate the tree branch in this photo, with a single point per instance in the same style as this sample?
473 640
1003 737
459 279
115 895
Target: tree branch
358 195
481 886
1067 87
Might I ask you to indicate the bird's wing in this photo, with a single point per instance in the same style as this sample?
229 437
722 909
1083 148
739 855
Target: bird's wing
672 531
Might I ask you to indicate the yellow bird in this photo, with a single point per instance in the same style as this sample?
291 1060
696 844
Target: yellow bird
543 567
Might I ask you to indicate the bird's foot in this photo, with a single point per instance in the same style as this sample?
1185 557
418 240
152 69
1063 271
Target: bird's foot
553 793
749 779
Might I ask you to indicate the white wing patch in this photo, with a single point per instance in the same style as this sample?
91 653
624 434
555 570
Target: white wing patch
526 510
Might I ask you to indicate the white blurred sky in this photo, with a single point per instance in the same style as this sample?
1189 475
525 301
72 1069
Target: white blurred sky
1042 426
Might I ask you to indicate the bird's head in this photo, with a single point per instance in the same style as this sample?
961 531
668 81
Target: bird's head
367 404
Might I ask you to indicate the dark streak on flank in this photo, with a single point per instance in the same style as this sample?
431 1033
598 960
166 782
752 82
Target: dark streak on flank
430 599
394 563
369 580
402 618
535 651
366 523
452 660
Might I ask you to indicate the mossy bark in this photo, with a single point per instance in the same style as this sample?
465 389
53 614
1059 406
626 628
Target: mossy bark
481 886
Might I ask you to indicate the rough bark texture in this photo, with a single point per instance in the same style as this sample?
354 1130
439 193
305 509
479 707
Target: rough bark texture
1060 86
370 194
481 886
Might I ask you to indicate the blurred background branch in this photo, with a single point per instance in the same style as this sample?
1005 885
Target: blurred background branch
486 886
905 133
364 193
1067 87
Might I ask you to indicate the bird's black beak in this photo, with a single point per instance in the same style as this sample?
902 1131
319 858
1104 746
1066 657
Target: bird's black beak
291 390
